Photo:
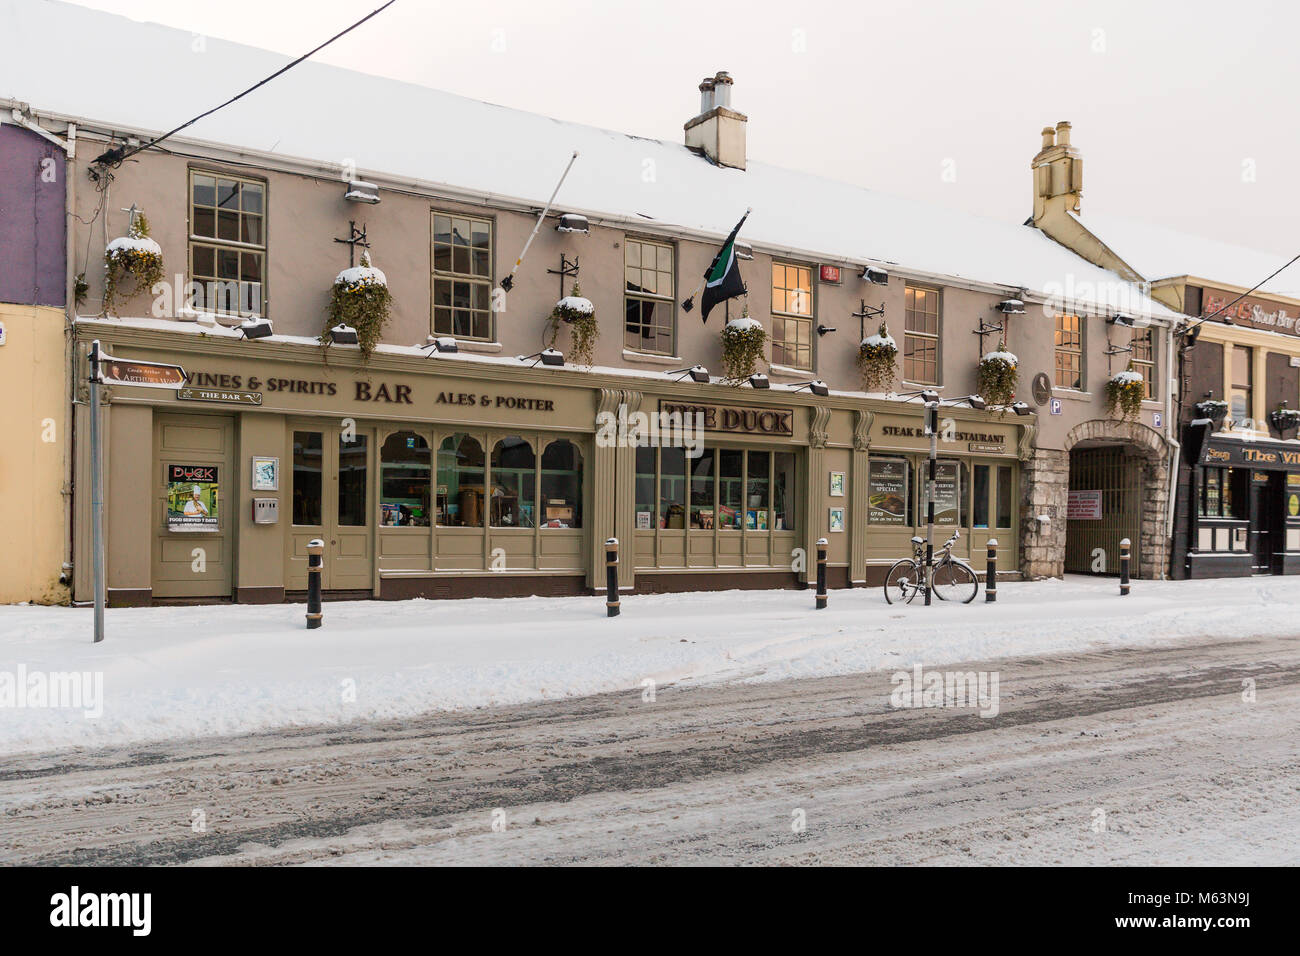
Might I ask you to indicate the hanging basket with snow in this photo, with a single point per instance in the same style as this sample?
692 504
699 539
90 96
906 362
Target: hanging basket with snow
743 341
877 360
997 376
1125 393
580 316
360 300
133 258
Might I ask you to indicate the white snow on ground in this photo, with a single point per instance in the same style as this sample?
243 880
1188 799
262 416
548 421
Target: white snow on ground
192 671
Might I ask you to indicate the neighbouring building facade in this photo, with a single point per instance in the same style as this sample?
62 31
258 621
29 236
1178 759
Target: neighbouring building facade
34 470
1236 371
495 469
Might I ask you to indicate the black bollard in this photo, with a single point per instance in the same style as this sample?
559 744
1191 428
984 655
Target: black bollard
315 565
611 577
991 575
821 573
1123 566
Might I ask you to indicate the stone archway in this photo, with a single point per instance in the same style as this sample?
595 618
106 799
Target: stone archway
1046 497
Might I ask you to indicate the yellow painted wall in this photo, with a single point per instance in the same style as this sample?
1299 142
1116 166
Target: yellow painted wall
34 399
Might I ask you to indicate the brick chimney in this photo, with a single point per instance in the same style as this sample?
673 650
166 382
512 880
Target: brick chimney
718 131
1058 172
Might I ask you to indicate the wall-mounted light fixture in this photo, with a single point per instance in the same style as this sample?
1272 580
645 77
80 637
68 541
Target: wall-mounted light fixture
361 191
255 328
743 250
572 222
443 344
343 334
816 386
697 373
823 329
550 357
1129 321
1021 408
759 380
1011 307
875 275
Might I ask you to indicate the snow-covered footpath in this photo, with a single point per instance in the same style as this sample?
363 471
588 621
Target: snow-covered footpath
195 671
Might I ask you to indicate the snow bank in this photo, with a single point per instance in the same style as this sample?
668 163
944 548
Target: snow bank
181 672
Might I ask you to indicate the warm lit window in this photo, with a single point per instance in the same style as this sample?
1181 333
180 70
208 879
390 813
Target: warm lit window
792 312
228 243
462 277
1069 351
648 296
1144 358
921 336
405 473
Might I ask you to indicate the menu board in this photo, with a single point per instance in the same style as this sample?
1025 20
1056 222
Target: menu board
945 492
887 491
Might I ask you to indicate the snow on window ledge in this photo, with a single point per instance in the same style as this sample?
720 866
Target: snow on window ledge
789 370
474 345
631 355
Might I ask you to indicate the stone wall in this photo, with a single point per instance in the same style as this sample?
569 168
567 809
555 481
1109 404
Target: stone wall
1045 492
1045 481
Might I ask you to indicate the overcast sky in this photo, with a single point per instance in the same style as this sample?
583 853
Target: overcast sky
1185 111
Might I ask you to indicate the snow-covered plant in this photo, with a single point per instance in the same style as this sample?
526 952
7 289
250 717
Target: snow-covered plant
743 340
877 360
133 257
580 316
360 299
1285 418
1125 393
1212 408
997 376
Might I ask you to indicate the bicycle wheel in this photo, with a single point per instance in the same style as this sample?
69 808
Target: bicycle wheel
954 581
902 582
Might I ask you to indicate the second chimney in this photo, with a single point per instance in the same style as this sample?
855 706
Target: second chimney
718 131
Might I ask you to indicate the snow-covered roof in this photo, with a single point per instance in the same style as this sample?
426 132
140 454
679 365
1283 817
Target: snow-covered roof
52 56
1157 252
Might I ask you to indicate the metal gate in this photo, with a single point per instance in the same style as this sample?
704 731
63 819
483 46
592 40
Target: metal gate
1118 477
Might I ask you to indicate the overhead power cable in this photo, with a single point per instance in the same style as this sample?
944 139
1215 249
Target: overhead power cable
117 154
1191 327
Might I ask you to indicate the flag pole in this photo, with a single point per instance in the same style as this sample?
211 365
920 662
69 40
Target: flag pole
509 280
689 302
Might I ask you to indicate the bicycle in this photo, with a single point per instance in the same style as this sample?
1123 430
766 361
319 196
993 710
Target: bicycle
952 578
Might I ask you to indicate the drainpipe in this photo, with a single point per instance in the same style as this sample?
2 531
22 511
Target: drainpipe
70 348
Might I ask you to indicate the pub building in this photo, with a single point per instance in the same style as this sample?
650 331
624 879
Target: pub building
460 456
1237 378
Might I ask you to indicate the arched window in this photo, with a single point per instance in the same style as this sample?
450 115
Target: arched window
514 484
404 477
561 485
460 482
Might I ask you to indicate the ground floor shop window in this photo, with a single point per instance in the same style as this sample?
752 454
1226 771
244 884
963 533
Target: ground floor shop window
723 488
460 482
404 479
514 483
1216 493
562 485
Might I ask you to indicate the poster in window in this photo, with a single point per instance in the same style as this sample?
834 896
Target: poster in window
192 498
945 493
887 491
